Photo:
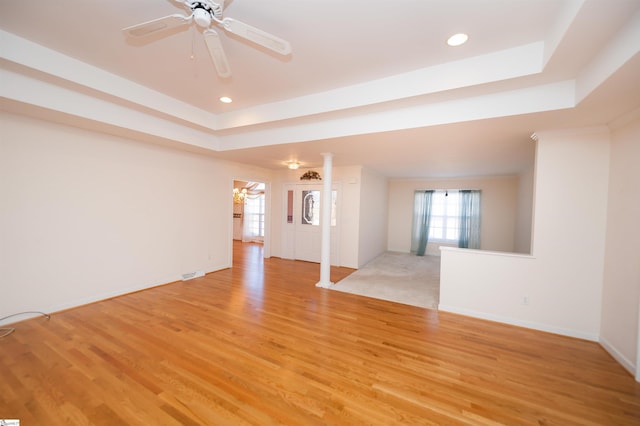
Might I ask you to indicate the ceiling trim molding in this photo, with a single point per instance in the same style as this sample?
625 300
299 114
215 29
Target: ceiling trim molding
610 59
562 26
548 97
60 69
493 67
38 93
85 77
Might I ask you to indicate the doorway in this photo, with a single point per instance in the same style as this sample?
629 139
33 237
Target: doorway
249 210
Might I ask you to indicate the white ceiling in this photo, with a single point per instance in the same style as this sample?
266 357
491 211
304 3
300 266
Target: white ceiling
371 81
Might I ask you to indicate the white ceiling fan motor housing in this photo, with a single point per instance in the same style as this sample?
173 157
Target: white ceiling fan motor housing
202 17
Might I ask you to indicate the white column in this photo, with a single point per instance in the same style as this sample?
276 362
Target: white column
325 257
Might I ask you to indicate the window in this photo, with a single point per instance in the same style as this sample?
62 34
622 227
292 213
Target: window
254 216
254 206
445 217
311 208
449 217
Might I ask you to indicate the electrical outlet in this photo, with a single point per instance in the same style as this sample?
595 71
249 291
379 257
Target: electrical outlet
525 300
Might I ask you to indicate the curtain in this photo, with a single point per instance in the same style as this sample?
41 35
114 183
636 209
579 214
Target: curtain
469 219
421 219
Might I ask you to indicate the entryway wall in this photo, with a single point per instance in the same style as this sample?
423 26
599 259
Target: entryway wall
363 232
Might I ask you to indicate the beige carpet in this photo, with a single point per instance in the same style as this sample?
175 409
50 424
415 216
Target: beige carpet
397 277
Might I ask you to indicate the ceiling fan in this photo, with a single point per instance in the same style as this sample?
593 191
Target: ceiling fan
204 13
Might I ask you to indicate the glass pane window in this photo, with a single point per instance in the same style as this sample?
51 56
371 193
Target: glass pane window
310 208
254 216
290 206
445 217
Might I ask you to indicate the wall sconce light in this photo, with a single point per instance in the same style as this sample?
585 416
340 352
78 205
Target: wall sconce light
239 195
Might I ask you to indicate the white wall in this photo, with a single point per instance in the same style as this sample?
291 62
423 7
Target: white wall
562 280
621 292
499 207
351 184
85 215
374 203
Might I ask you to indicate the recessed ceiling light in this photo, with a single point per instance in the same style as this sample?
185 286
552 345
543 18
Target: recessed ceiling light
457 39
226 100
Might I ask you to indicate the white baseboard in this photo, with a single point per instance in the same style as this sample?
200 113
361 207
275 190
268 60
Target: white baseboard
520 323
627 364
98 297
111 294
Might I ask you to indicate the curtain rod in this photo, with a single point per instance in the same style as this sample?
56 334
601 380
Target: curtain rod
445 190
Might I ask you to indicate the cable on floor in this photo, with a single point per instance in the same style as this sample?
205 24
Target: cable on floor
8 330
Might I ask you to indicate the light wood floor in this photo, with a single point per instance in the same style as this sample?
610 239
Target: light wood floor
260 344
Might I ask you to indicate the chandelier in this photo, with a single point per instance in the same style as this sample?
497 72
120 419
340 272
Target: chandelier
239 195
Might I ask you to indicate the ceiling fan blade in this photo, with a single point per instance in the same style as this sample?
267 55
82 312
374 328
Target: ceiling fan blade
156 25
257 36
212 39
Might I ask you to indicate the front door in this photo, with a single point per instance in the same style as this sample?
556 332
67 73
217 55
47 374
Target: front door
302 237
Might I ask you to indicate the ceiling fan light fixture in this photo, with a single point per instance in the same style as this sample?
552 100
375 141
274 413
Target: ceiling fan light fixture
457 39
202 17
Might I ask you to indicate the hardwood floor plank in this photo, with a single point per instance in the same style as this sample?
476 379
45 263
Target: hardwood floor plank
259 344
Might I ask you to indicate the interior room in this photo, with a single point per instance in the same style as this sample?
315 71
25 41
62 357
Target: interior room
205 172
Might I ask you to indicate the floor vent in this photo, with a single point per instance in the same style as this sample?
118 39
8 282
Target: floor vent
192 275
